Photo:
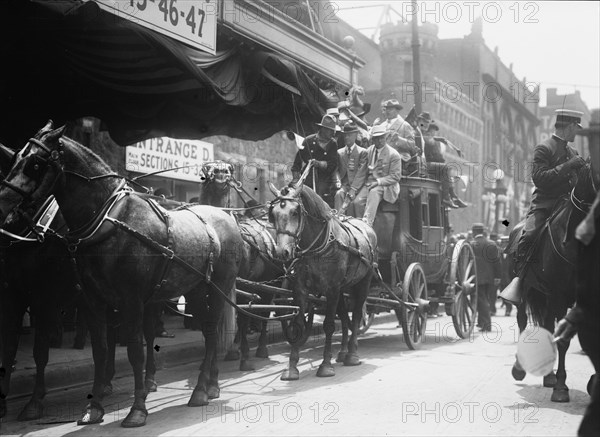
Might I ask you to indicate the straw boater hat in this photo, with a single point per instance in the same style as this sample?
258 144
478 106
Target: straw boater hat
378 130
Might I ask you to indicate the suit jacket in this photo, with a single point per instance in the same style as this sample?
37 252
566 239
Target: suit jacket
352 167
387 171
401 136
325 178
550 177
433 150
488 258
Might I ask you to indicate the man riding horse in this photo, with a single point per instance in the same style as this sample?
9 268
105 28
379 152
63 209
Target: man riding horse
554 164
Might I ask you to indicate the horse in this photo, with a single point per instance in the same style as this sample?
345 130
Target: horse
258 263
547 287
329 256
129 251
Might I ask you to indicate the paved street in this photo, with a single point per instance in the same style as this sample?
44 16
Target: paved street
448 387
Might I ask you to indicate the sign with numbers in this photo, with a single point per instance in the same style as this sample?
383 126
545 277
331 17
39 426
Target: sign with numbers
193 22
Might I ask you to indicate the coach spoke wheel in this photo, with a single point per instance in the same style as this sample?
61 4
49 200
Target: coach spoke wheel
463 277
366 320
414 317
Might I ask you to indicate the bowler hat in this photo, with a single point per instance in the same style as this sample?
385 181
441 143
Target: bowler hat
392 103
328 122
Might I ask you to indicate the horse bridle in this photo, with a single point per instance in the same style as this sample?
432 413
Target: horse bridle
53 157
296 236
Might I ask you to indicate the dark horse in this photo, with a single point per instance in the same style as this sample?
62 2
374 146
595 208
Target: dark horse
329 256
547 286
258 263
129 251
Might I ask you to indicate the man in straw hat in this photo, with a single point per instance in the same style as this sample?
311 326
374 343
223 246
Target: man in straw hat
401 136
352 170
554 163
384 173
321 148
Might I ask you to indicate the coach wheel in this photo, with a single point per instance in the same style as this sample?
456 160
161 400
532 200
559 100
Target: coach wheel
463 277
414 315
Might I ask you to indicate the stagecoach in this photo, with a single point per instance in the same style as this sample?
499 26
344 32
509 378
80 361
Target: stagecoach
418 266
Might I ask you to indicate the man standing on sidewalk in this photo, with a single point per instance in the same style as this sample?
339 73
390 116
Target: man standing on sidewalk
487 259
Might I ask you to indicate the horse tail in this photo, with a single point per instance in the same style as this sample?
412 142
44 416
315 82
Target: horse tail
537 305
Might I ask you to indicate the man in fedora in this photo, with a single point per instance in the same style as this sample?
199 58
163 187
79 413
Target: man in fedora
401 136
352 170
437 167
384 173
321 148
554 163
489 271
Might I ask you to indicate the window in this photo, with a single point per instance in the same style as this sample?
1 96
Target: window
435 218
415 214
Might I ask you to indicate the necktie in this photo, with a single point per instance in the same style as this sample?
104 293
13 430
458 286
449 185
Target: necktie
375 156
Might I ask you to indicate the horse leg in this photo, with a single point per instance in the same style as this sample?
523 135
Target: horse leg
518 372
233 354
326 369
360 295
10 326
243 322
560 392
95 315
133 318
262 351
151 313
207 386
343 315
41 347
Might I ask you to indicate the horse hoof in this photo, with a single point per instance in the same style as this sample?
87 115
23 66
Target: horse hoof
262 352
232 356
245 366
135 418
352 360
108 390
325 371
550 380
560 395
199 398
517 373
213 391
290 374
32 411
93 414
341 356
589 388
151 385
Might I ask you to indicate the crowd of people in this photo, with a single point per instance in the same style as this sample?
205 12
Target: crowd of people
356 166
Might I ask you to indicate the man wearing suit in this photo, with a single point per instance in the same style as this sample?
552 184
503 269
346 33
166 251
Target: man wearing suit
384 173
352 168
489 272
320 148
401 136
553 165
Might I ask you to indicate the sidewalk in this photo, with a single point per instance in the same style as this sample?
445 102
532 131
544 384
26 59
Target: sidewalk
69 367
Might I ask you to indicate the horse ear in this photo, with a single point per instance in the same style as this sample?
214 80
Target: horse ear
274 190
56 133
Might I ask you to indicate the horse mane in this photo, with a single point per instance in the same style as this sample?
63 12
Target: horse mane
314 205
85 154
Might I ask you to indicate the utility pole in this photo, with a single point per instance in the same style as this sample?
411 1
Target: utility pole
416 59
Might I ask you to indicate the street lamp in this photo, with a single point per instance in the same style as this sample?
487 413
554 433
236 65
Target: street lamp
497 195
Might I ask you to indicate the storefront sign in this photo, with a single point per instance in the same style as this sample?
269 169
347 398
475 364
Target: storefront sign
164 153
191 21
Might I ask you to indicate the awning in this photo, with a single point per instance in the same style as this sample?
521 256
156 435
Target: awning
66 59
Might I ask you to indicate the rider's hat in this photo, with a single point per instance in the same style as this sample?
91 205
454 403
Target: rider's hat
567 116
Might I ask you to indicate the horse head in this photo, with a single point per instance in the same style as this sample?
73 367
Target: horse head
286 215
33 173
